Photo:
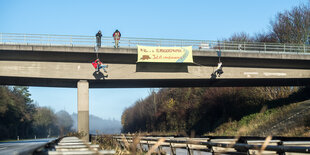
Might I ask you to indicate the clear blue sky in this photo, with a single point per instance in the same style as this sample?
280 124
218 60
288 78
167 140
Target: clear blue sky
181 19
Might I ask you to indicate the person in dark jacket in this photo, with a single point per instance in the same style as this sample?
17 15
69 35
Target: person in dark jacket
117 37
98 39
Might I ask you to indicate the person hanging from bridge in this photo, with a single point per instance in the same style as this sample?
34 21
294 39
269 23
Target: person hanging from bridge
98 65
219 69
98 39
117 37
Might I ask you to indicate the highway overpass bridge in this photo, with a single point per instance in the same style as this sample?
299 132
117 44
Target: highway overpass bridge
65 61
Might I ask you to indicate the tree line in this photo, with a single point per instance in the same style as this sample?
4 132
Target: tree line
183 110
19 116
203 109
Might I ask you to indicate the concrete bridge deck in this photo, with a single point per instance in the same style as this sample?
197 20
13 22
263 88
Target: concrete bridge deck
63 66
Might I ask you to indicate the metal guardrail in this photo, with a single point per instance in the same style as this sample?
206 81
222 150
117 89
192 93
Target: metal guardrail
34 146
131 42
211 145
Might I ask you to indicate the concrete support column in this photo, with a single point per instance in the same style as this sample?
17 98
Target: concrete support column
83 108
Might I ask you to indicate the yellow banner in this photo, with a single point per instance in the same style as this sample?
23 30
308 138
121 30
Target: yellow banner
165 54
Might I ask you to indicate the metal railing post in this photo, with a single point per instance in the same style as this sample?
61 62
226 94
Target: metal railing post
41 39
284 47
304 48
120 144
49 40
141 146
160 149
265 47
148 145
173 151
280 152
189 151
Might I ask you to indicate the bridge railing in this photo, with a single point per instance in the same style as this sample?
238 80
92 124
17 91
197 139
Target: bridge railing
131 42
46 39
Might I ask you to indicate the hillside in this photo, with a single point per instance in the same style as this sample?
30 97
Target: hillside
294 122
99 125
217 111
288 120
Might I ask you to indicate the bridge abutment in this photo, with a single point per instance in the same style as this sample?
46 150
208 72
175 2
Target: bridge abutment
83 108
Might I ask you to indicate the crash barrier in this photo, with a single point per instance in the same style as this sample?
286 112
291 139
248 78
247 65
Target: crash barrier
132 42
241 145
33 146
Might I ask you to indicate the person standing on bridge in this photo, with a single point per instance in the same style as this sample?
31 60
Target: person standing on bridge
98 39
117 37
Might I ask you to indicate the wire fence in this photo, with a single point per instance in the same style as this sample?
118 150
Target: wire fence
131 42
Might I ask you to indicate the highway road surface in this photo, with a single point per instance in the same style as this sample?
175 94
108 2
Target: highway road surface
22 147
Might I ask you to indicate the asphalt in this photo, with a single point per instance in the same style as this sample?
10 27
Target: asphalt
22 147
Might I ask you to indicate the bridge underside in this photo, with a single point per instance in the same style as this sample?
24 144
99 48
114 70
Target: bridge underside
146 83
67 74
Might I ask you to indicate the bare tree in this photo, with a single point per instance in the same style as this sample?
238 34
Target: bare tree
266 37
293 26
240 37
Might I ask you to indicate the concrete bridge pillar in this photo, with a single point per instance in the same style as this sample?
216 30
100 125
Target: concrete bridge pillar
83 108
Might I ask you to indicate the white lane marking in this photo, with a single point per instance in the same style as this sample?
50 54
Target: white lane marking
2 148
274 74
248 74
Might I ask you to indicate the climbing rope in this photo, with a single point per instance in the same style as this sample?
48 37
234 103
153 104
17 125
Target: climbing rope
96 51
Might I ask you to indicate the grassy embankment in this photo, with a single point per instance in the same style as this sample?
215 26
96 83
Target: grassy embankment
287 120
